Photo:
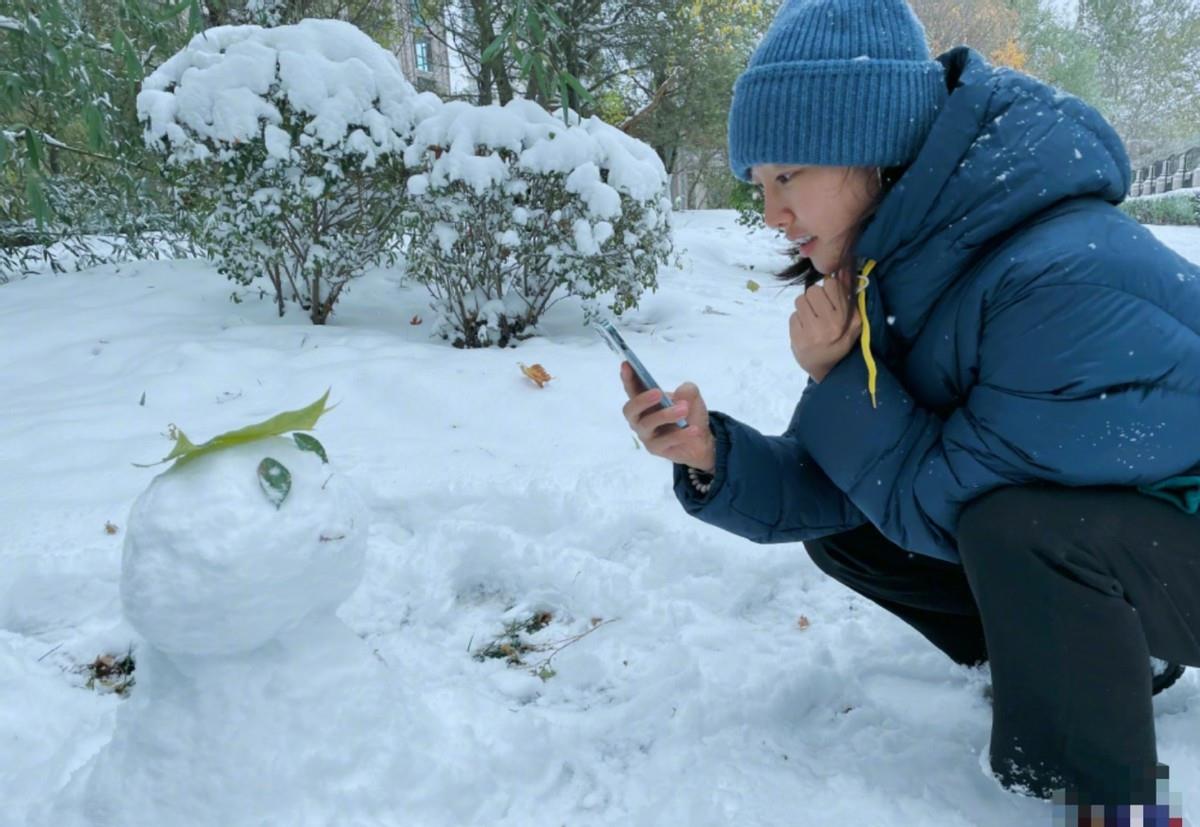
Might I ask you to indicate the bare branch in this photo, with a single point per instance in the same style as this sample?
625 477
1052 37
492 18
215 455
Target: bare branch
660 95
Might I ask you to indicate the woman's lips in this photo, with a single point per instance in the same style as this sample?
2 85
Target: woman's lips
806 249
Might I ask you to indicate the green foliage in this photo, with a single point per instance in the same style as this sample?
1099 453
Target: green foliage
516 643
689 54
661 70
309 443
301 419
275 481
1182 209
610 107
1147 67
375 17
531 36
513 644
77 186
75 189
747 200
1056 52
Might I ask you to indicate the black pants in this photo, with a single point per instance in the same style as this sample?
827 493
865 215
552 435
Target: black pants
1067 592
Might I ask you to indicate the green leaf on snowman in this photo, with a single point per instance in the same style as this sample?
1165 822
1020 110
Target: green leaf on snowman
276 481
301 419
309 443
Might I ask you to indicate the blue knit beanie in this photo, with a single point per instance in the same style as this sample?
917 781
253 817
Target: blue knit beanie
838 83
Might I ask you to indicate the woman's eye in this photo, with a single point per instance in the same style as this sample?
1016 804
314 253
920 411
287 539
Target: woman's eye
783 177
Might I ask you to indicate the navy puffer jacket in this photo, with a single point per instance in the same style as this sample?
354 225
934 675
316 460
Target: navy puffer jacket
1024 330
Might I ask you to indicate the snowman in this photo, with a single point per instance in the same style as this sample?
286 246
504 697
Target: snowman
254 703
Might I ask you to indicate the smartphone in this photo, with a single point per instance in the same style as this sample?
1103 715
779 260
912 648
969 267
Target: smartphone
610 335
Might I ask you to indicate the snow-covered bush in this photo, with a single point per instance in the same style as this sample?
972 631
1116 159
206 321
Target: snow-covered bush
1170 208
290 141
514 210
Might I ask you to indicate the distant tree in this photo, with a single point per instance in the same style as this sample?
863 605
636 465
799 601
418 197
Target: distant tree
662 70
1147 66
679 83
988 26
538 49
1056 51
376 18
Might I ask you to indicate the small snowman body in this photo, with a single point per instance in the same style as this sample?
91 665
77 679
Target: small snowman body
254 703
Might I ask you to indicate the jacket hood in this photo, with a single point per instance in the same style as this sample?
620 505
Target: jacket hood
1004 148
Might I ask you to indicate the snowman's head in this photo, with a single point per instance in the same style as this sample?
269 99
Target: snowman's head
213 567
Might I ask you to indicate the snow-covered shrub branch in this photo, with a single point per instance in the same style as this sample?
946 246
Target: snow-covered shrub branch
261 12
290 141
513 210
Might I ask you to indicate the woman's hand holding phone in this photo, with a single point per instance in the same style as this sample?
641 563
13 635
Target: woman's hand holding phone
655 426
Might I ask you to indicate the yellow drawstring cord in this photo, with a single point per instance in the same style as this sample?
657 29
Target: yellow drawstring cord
864 281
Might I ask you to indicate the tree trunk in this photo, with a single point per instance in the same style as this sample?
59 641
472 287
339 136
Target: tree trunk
573 66
493 69
484 84
276 279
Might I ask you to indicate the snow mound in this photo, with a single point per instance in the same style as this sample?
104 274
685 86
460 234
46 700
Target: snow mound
231 82
473 140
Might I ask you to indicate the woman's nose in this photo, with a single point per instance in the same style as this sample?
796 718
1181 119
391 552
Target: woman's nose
774 215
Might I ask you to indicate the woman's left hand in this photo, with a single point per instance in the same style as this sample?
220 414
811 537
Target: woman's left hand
825 325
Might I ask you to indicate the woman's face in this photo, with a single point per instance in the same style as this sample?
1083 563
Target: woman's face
818 205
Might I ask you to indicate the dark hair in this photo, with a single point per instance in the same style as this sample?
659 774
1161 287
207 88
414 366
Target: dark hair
801 271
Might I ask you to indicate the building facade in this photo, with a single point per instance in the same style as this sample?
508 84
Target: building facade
422 50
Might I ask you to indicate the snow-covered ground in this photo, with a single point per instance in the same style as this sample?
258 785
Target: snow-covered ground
698 697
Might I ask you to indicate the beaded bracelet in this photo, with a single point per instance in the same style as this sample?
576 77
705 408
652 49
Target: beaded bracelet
701 480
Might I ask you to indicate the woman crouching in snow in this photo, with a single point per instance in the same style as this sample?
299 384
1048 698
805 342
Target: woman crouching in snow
1000 438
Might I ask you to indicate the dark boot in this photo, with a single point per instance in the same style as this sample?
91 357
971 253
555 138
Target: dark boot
1165 674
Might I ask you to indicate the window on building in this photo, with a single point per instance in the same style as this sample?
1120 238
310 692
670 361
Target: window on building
417 20
421 51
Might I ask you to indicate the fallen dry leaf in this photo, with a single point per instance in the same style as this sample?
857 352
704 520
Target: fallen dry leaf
537 373
802 622
415 320
111 672
109 528
752 286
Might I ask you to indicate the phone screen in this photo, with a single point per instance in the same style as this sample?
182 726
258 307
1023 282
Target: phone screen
617 344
